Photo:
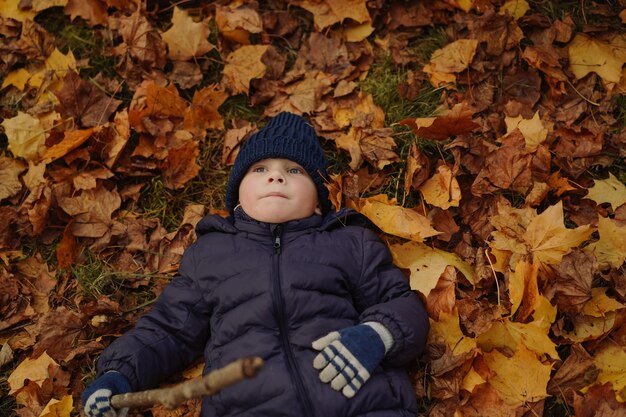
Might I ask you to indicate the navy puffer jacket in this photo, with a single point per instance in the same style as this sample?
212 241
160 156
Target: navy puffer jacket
246 288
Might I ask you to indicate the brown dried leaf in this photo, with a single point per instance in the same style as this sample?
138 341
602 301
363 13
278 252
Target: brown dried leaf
180 165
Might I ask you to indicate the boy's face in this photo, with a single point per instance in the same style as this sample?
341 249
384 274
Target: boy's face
277 190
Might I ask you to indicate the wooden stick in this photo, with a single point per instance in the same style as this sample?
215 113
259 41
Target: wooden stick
209 384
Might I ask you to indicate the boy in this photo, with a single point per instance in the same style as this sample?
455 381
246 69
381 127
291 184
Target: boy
313 293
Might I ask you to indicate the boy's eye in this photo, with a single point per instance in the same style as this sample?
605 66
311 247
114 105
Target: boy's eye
295 171
258 169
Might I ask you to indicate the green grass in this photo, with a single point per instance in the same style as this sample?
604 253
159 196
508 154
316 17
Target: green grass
580 11
7 402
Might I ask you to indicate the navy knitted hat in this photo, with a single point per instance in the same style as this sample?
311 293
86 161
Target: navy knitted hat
288 136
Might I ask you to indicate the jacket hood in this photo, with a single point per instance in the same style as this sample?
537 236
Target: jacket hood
343 217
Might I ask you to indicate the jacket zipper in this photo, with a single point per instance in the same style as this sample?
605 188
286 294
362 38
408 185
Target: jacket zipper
282 323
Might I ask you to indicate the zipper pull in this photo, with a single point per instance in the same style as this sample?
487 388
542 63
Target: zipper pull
277 239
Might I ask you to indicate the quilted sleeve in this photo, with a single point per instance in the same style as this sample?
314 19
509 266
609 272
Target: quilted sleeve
383 295
168 338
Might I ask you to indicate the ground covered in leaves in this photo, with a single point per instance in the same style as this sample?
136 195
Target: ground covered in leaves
484 138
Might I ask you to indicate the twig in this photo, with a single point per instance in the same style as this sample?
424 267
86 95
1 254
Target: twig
209 384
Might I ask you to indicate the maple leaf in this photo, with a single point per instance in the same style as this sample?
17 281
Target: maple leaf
523 288
507 335
92 211
186 38
237 22
93 11
9 9
600 304
456 121
447 331
577 371
610 249
522 232
611 191
396 220
58 408
452 58
10 170
610 359
520 378
515 8
35 370
84 102
71 140
180 165
154 102
574 279
203 112
587 54
244 65
25 135
442 189
427 264
534 130
141 41
327 12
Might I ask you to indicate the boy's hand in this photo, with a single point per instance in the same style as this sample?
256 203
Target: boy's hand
97 396
350 355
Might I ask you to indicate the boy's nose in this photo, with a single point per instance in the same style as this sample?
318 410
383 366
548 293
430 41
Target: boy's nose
276 176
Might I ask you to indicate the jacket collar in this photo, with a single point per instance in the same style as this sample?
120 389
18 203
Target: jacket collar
242 222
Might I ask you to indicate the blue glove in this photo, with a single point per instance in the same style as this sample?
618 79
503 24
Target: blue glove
97 396
349 356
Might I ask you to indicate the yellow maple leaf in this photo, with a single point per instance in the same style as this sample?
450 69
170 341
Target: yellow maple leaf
515 8
522 232
587 54
523 287
611 191
396 220
507 334
36 370
520 378
58 408
610 249
25 135
447 330
17 79
186 38
534 130
358 32
9 9
442 189
452 58
427 264
328 12
589 328
39 5
610 358
244 65
465 5
600 304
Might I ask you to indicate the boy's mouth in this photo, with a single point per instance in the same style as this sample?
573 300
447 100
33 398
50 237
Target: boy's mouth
281 195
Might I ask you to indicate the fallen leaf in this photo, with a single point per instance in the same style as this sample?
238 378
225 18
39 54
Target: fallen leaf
452 58
447 331
534 130
520 378
587 54
35 370
507 335
203 113
442 189
427 264
244 65
327 13
25 135
84 101
610 249
71 140
180 166
610 190
59 408
396 220
186 38
515 8
10 170
523 289
92 11
237 21
600 303
610 359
